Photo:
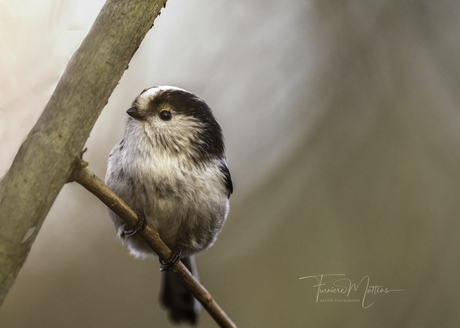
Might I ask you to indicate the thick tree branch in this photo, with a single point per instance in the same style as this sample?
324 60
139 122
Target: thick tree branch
94 185
44 161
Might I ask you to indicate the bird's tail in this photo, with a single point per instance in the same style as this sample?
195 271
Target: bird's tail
176 298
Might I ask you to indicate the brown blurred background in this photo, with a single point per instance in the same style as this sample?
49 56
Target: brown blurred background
342 123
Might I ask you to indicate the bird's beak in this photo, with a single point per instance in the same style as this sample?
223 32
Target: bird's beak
134 113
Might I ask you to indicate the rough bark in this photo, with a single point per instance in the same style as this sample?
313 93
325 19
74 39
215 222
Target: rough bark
44 161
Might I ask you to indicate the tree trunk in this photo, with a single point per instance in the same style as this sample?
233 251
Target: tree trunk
44 161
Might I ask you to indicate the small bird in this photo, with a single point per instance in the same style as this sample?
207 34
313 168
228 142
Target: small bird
171 169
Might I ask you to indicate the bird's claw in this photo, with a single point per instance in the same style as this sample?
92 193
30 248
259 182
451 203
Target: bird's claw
173 260
140 225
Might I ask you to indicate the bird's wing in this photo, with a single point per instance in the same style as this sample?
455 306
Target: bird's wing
227 178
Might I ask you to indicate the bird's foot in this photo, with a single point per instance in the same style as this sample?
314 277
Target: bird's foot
173 260
140 225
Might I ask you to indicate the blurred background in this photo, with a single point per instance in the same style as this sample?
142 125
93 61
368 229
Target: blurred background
342 123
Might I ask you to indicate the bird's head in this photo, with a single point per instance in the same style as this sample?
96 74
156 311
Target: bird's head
177 121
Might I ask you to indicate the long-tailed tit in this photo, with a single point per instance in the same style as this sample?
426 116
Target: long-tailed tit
171 169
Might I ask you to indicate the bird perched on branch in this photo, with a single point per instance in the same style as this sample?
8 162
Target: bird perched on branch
171 169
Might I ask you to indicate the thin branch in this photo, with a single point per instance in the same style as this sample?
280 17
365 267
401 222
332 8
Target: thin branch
94 185
44 161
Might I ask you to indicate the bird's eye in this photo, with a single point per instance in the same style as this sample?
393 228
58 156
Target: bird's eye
165 114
